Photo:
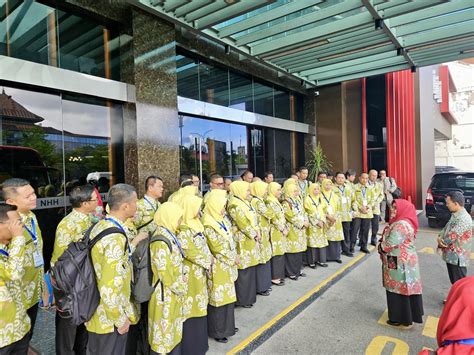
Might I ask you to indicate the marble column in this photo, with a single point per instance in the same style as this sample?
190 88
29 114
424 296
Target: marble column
157 129
309 114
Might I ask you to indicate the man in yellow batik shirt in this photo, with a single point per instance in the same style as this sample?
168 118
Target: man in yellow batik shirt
69 338
378 193
362 203
14 322
19 193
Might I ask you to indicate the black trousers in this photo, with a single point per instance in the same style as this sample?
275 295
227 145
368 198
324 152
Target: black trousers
346 243
456 272
19 347
32 313
375 228
137 338
362 224
70 340
107 344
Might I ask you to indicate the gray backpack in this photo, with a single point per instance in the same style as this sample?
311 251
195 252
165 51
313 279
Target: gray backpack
142 287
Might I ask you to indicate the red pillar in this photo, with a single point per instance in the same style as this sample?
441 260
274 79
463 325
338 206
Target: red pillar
364 126
400 115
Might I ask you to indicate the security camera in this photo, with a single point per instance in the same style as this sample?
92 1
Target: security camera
316 93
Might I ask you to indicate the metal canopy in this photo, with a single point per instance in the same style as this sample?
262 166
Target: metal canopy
323 42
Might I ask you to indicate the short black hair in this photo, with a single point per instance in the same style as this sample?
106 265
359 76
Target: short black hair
10 186
329 173
151 180
350 172
301 168
267 173
339 173
4 209
214 177
184 178
321 173
456 197
80 194
246 172
120 194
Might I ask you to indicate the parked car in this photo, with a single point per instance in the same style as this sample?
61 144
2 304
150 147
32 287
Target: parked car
442 183
445 169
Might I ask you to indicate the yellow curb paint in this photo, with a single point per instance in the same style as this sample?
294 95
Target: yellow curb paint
472 256
426 250
384 318
271 322
377 345
431 325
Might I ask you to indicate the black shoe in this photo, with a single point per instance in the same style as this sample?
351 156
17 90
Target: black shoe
248 306
395 324
365 250
351 250
339 261
236 330
266 293
349 254
278 284
312 266
221 340
373 243
294 278
322 264
302 274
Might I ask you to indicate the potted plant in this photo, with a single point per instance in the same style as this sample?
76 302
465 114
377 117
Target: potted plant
318 162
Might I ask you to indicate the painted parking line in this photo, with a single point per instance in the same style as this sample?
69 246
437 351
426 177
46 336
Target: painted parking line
426 250
431 325
384 318
252 337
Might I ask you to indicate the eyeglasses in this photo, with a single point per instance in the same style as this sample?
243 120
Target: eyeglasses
92 200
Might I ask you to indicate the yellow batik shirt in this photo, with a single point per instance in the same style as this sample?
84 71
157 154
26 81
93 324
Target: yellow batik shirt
14 322
197 260
361 194
32 281
377 188
263 215
113 268
71 229
345 201
146 209
295 216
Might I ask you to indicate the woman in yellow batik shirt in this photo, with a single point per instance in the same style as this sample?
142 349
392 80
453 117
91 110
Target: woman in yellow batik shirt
333 227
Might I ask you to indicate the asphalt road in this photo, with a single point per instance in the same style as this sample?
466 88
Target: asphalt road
345 319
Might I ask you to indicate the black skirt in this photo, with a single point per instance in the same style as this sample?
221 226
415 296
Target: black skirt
334 251
220 321
264 277
320 255
404 309
293 264
278 267
195 336
246 286
311 255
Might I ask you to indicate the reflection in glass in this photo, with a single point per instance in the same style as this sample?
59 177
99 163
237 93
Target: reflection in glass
282 104
188 77
263 99
258 151
282 153
214 84
241 92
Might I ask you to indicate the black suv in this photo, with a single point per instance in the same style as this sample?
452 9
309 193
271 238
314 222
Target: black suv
442 183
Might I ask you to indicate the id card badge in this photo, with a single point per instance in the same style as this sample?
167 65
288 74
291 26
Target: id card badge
364 203
330 209
38 258
344 200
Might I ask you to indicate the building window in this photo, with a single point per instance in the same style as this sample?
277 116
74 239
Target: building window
57 142
376 123
32 31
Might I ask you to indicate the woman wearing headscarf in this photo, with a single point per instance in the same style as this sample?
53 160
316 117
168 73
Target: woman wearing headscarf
317 241
455 333
278 233
165 309
333 227
221 321
189 190
259 189
246 235
197 262
297 223
401 274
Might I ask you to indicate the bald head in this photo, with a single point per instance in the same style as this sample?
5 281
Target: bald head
373 175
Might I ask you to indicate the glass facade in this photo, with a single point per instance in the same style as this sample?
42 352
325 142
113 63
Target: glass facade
32 31
205 81
229 149
376 123
56 142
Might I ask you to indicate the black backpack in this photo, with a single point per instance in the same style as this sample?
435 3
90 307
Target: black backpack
74 280
142 287
397 193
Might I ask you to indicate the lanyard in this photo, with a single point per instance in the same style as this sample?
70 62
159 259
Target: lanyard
295 204
342 190
222 224
32 232
123 230
149 202
462 341
328 201
4 252
175 240
364 192
246 203
314 203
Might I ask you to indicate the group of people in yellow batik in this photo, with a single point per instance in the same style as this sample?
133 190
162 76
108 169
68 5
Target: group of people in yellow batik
212 253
